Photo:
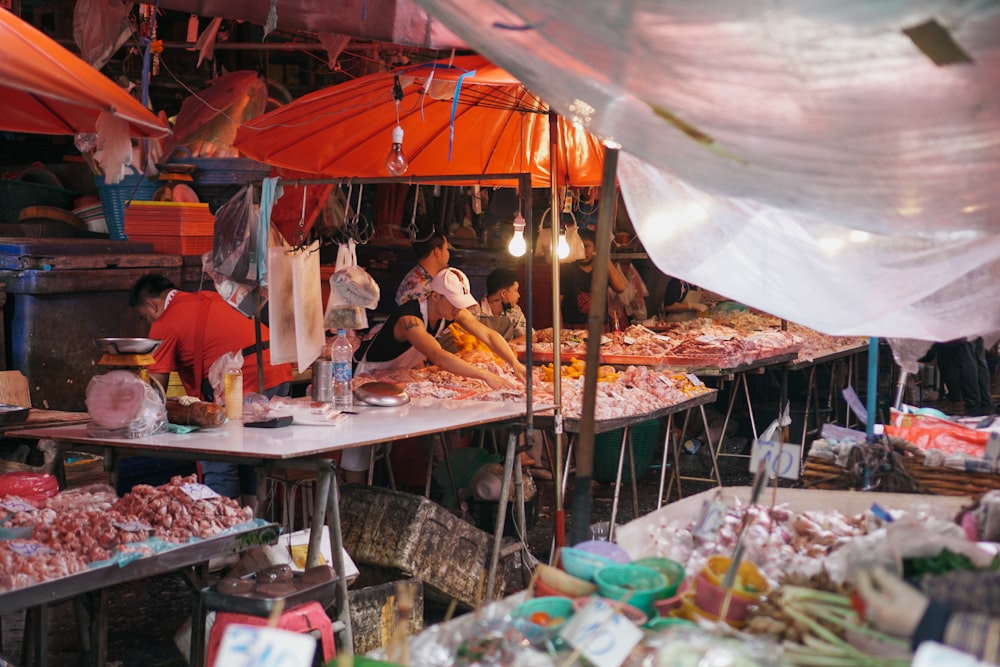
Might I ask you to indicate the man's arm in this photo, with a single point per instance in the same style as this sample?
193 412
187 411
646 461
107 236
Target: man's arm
412 329
616 279
492 339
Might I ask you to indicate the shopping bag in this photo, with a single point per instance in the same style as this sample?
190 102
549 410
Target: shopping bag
352 290
296 322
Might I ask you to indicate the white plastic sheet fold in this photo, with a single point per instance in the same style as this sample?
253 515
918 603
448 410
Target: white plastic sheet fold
805 157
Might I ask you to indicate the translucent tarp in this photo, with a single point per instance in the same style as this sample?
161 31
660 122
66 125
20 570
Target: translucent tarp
808 158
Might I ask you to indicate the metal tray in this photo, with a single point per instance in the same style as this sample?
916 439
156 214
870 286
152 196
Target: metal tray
12 414
128 345
257 605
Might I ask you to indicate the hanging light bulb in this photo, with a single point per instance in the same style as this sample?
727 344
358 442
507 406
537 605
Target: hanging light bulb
395 162
563 249
517 246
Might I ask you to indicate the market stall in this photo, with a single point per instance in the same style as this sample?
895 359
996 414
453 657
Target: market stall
303 446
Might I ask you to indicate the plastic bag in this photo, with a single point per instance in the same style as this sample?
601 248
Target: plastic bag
121 405
351 291
235 238
217 374
929 432
100 28
31 486
544 244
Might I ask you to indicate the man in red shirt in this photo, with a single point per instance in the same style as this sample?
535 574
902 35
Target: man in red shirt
196 329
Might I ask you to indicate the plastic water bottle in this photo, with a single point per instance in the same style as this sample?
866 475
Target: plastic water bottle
342 353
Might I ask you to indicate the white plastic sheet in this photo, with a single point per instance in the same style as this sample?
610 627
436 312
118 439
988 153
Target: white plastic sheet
806 157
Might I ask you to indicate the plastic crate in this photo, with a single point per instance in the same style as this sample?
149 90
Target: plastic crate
484 515
175 245
16 195
607 447
116 198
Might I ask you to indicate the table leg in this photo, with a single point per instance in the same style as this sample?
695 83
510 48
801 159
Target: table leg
508 469
447 465
332 498
725 421
96 603
810 388
746 394
663 463
618 482
711 449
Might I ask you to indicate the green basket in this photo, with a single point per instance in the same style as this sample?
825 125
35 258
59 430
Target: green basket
16 195
607 447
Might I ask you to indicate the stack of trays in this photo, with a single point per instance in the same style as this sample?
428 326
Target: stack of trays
176 228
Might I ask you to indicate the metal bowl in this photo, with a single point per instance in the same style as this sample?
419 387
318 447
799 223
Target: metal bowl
12 414
128 345
382 394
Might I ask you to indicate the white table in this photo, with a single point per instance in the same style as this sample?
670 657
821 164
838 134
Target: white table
307 446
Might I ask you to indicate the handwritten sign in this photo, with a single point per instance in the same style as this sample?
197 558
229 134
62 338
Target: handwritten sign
713 512
198 491
694 380
602 636
28 548
261 646
131 526
780 459
18 506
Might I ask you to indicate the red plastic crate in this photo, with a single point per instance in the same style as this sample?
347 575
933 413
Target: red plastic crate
175 245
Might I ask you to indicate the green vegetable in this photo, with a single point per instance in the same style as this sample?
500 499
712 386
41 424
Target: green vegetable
946 561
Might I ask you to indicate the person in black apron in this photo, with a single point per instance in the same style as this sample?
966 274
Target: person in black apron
408 340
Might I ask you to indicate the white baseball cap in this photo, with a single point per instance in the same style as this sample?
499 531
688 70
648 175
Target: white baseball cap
453 285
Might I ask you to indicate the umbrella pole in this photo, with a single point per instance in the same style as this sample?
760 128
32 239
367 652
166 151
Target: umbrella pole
582 500
559 528
872 387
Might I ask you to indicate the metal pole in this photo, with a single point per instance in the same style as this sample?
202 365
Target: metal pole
595 328
872 386
559 529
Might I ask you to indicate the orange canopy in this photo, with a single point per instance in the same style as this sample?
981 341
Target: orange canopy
497 126
48 90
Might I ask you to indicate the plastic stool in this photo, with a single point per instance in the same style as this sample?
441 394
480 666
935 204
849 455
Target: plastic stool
309 617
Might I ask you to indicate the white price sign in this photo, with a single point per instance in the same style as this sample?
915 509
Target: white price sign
199 491
261 646
780 459
712 515
603 637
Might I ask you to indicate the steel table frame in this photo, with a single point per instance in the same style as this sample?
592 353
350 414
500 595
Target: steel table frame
304 446
572 426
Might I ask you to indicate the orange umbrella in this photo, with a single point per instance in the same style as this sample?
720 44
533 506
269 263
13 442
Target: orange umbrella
496 126
48 90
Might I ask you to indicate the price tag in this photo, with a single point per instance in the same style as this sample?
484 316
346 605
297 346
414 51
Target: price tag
603 637
780 460
261 646
131 526
695 380
199 491
18 506
713 512
28 548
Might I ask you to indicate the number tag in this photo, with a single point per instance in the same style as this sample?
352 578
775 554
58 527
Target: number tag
603 637
695 380
780 459
712 514
199 491
18 506
28 548
261 646
131 526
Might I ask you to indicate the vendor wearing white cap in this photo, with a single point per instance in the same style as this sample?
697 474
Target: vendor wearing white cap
408 340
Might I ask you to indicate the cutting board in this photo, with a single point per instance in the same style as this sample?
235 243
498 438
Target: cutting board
14 389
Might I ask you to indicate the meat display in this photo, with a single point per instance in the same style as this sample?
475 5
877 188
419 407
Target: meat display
82 527
635 391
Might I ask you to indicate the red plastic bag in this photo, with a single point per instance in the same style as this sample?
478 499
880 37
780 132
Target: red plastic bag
34 487
929 432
